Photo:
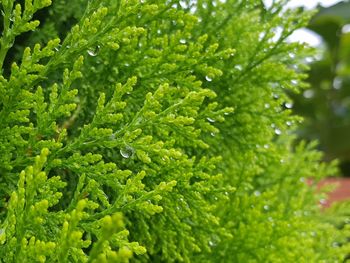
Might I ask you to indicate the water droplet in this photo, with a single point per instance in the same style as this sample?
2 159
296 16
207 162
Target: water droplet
212 243
289 123
266 207
294 82
267 105
57 48
302 179
282 161
313 233
212 134
93 51
266 146
309 60
275 96
238 67
278 132
127 152
182 41
270 219
126 64
288 105
208 78
257 193
210 120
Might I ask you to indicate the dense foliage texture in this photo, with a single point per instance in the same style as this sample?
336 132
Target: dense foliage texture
155 131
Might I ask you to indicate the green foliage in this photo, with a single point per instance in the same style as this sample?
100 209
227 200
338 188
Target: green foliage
325 103
155 131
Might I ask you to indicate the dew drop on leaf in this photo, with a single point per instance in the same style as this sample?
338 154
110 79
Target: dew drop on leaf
210 120
212 243
288 105
278 132
208 78
127 152
238 67
93 51
57 48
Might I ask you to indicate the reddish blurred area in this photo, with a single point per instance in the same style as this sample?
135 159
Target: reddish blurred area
340 193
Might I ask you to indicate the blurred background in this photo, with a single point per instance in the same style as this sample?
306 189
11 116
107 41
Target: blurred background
325 105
